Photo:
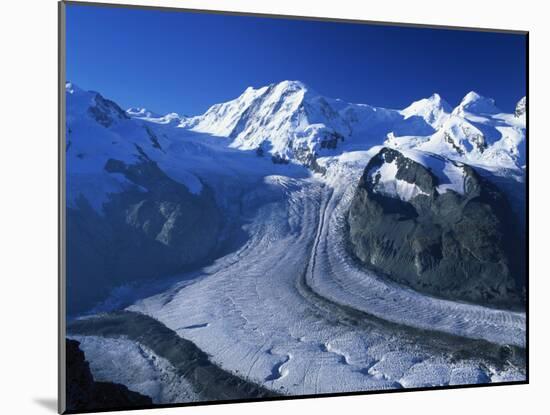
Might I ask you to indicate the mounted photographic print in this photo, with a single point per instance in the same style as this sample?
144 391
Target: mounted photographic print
260 207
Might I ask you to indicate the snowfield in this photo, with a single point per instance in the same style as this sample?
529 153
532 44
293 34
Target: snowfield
287 307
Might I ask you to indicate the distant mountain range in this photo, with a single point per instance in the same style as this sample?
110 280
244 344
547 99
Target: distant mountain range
289 119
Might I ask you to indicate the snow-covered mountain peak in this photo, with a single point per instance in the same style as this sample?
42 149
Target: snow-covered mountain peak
471 96
276 112
277 91
75 92
71 88
476 104
93 105
287 87
289 90
434 110
435 100
291 85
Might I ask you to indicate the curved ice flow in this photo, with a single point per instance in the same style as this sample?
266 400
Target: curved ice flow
333 274
249 312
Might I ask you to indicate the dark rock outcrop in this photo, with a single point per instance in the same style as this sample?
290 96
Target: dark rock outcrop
464 247
308 158
105 111
209 381
151 230
278 159
85 394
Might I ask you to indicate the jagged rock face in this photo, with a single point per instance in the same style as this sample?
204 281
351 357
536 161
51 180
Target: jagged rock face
153 229
85 394
452 237
105 111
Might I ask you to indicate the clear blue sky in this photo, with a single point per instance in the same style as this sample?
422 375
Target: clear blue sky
184 62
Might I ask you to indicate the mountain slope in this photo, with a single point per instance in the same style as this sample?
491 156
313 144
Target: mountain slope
130 214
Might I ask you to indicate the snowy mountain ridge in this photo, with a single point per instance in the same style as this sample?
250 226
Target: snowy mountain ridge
147 115
293 123
290 120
